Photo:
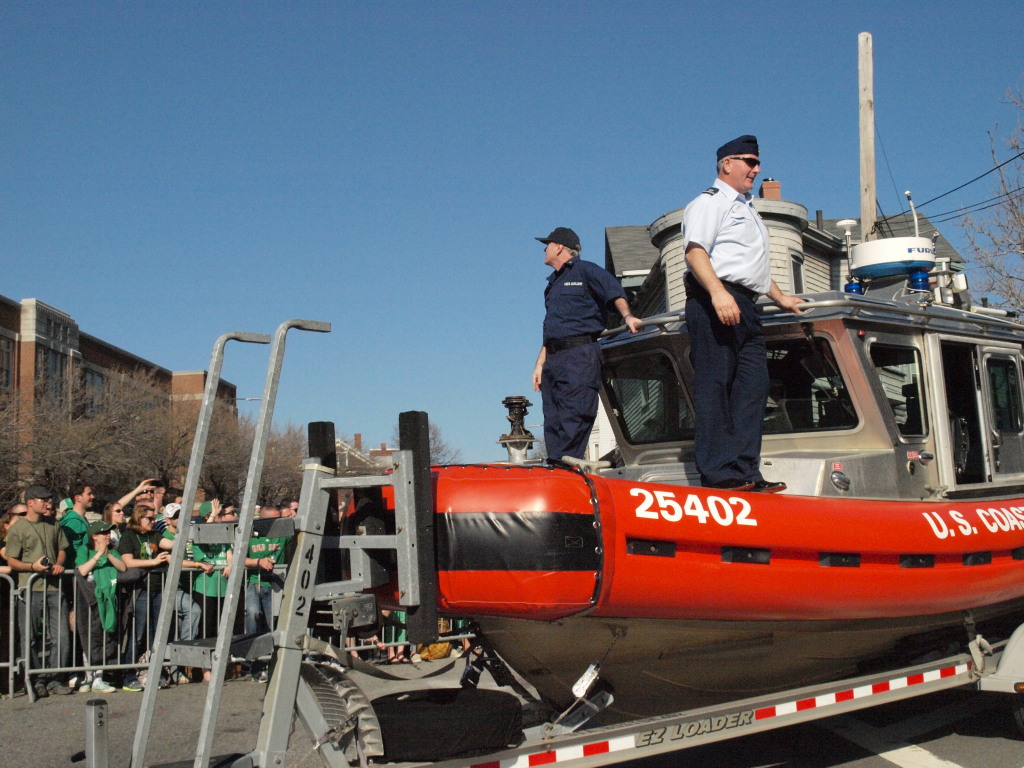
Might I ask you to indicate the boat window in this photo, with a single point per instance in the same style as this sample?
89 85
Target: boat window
807 392
648 400
899 371
1005 389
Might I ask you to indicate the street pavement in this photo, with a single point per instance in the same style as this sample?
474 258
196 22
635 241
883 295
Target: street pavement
951 729
52 731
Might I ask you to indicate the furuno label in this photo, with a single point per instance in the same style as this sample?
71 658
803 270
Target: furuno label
694 728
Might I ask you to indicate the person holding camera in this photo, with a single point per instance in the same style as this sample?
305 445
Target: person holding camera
36 545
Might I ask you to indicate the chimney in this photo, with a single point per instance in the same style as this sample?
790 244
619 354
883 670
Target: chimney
770 189
357 441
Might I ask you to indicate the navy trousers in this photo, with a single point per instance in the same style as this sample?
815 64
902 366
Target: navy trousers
730 390
569 385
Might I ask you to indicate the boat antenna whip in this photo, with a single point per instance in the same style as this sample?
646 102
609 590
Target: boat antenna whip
913 212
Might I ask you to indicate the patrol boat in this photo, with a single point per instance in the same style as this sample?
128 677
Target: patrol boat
895 417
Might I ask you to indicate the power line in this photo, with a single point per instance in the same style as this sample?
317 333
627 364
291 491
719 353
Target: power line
888 168
964 209
984 205
967 183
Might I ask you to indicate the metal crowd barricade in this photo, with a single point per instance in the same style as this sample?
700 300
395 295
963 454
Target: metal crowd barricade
20 635
63 653
8 637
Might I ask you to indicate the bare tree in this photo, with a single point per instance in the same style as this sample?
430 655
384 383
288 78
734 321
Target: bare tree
282 474
128 429
441 451
109 436
229 452
996 236
10 450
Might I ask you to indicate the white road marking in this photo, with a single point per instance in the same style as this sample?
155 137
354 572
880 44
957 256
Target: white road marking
874 740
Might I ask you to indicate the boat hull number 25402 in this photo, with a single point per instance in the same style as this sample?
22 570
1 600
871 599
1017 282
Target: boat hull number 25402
664 504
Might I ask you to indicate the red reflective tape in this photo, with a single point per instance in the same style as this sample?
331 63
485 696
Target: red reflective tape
947 672
880 688
915 679
595 749
846 695
763 714
806 704
542 758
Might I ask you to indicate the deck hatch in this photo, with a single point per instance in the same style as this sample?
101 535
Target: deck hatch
746 555
648 547
839 559
978 558
917 561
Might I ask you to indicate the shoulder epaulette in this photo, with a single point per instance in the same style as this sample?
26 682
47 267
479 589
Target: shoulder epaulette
710 191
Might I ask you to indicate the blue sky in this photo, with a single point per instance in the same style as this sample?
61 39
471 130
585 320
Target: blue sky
175 170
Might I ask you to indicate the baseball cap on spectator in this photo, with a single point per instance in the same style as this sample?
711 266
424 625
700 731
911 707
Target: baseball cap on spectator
172 510
64 506
37 492
99 526
206 508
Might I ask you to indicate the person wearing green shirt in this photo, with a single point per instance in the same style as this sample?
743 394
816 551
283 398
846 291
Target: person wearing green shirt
75 526
210 587
264 553
96 617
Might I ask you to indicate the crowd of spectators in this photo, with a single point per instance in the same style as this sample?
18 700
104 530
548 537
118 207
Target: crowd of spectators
90 584
89 578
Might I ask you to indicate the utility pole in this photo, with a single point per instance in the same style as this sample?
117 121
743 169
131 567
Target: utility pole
865 69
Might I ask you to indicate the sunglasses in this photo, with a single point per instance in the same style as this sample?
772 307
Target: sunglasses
752 162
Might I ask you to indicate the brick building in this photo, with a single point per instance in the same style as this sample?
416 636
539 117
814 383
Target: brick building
42 347
40 343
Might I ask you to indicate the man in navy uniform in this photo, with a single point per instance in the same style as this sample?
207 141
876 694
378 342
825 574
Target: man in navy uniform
568 369
727 256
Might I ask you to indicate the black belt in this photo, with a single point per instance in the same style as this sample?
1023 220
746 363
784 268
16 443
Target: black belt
557 345
693 288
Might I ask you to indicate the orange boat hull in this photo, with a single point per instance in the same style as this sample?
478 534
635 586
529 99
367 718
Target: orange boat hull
541 543
691 596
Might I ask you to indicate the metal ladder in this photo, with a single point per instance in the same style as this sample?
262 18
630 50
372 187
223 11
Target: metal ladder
294 688
217 654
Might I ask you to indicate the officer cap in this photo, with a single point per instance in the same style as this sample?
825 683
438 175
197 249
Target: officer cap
744 145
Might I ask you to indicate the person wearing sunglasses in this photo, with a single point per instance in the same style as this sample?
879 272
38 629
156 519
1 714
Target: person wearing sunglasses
728 269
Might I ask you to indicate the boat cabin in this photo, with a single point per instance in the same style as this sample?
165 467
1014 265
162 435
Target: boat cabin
893 393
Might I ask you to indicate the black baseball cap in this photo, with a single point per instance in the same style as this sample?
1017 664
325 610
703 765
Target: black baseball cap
563 236
38 492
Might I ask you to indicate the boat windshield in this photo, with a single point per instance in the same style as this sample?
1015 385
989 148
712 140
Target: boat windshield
648 399
806 390
807 394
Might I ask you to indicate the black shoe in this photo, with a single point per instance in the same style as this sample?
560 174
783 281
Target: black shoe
59 689
765 486
733 484
40 690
